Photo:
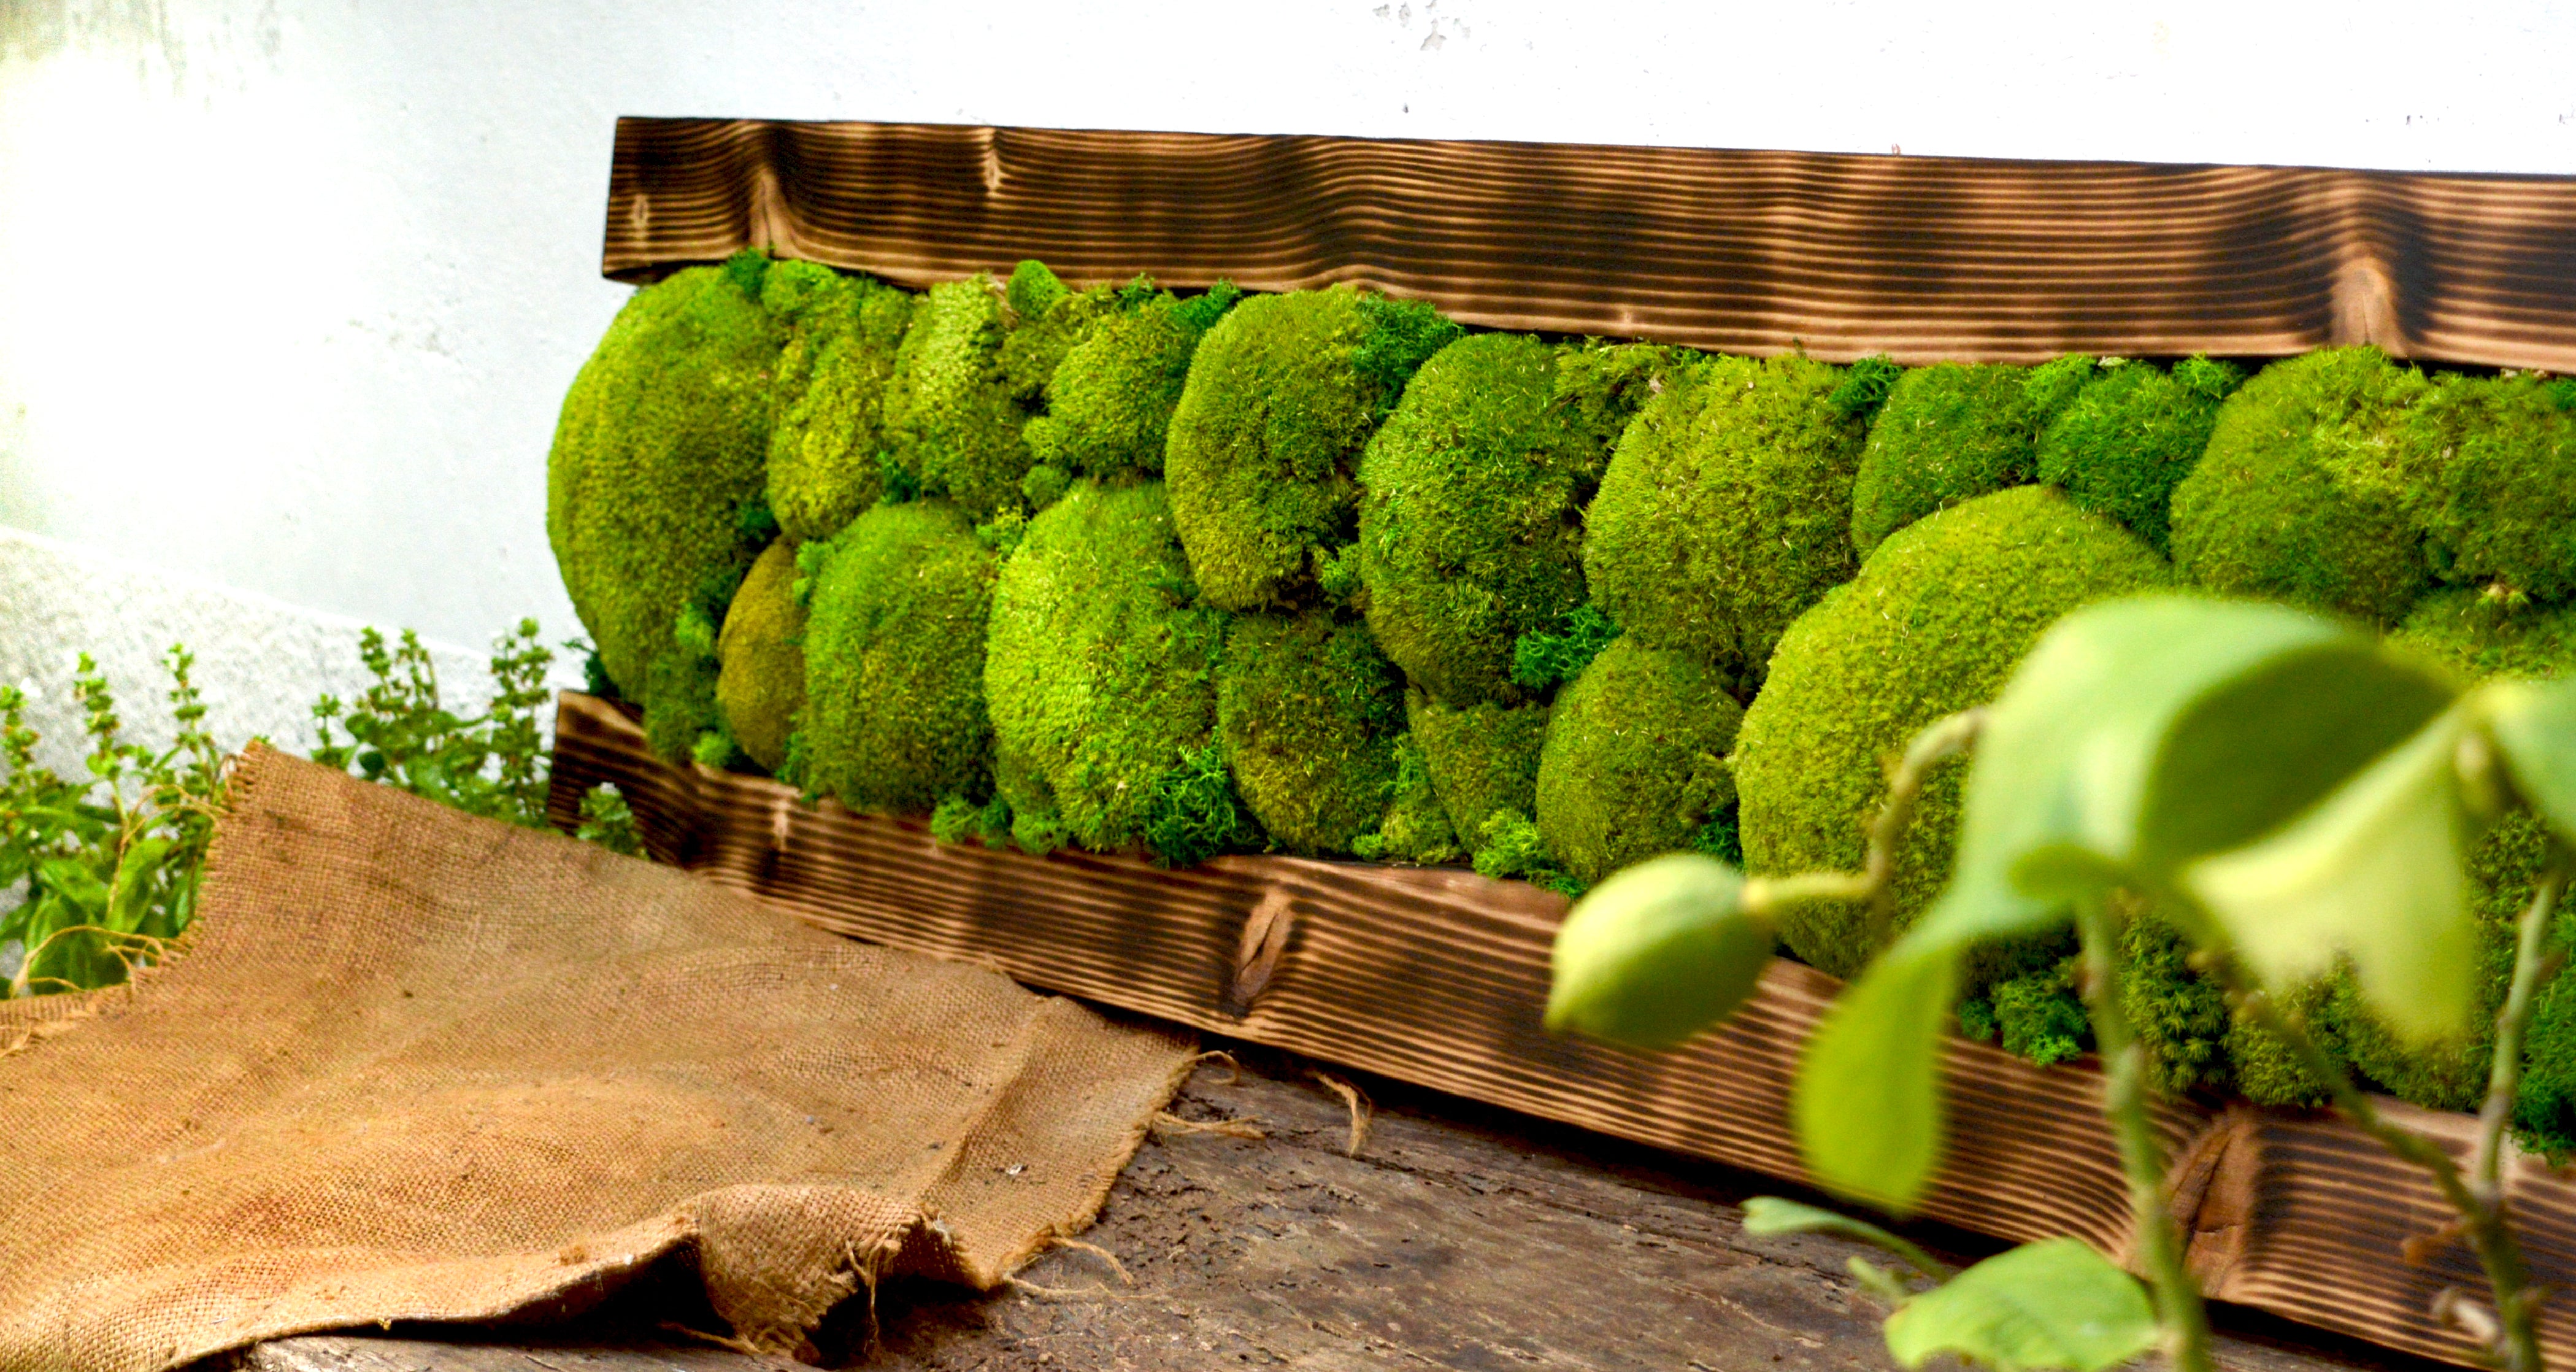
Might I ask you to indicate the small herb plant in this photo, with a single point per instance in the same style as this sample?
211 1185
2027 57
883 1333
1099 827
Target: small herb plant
108 863
2288 793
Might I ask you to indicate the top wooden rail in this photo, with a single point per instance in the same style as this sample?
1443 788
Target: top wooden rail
1841 255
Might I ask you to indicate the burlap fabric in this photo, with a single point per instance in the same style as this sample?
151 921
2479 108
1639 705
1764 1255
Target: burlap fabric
414 1065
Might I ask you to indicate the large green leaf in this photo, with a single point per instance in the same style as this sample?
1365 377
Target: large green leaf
2373 874
2534 726
2052 1304
1656 953
1868 1099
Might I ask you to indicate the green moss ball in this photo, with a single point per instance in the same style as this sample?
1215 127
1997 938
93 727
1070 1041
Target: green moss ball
1483 758
1634 765
2308 488
761 684
1471 523
2503 511
1262 447
828 430
1937 619
663 438
2131 436
1100 671
952 418
1309 711
1727 510
899 604
1947 433
1110 403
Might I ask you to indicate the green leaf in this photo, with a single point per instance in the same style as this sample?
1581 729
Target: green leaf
1765 1216
1656 953
2374 874
2052 1304
1868 1100
2145 732
137 881
2534 726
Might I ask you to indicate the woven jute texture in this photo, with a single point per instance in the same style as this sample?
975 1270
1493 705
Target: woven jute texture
415 1065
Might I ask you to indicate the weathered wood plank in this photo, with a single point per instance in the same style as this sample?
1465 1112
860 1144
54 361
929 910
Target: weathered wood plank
1924 258
1438 978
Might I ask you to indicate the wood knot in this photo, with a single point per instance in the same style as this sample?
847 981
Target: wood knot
2212 1188
1257 955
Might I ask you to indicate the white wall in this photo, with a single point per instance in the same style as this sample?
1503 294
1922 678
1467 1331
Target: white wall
290 289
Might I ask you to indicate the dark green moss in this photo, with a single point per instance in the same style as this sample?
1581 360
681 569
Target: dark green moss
1193 813
959 820
1940 614
1309 711
1947 433
1483 759
952 417
827 434
681 706
2503 510
1635 759
2126 440
1727 510
1279 400
899 604
761 684
2308 488
1416 827
1471 524
1544 659
1101 670
1865 386
663 437
1110 402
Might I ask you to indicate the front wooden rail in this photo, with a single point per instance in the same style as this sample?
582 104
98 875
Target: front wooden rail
1437 977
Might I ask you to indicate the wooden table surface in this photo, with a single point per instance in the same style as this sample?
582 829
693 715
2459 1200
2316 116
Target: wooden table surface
1458 1237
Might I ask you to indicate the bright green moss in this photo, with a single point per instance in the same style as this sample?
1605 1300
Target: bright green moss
2126 440
1282 394
899 604
1937 619
1038 344
1309 711
1483 759
1947 433
2306 491
1471 526
663 438
951 417
1727 510
827 436
1416 827
2503 511
1100 672
762 684
1109 403
1635 760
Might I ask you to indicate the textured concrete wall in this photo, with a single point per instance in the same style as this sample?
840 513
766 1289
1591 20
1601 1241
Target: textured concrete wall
290 289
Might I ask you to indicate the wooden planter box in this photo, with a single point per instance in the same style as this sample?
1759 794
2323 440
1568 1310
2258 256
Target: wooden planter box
1438 977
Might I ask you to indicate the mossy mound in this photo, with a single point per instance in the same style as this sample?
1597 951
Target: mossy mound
1727 510
761 685
1483 759
952 417
1100 670
663 439
1946 433
1110 401
899 603
1049 319
1282 394
2503 510
2127 439
2309 489
1635 760
827 436
1309 710
1471 525
1937 619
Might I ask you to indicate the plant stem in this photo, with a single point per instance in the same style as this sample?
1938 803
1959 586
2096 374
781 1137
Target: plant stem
2124 1104
2477 1197
1875 883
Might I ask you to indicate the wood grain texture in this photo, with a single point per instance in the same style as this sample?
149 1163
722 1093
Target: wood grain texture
1437 977
1923 258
